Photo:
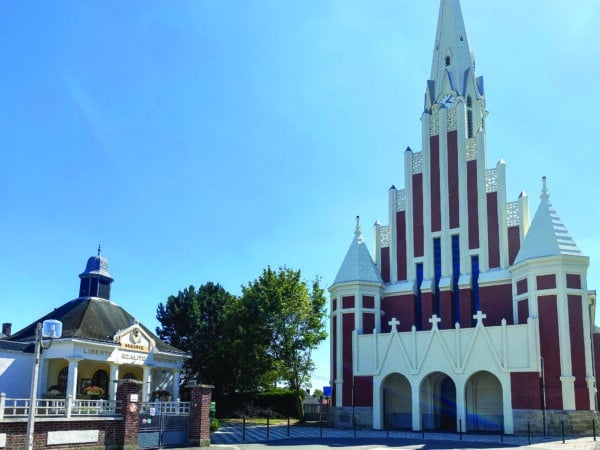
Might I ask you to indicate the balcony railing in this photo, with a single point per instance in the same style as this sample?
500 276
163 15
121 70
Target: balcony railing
67 407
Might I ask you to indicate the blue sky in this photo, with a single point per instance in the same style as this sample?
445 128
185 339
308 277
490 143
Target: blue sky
204 140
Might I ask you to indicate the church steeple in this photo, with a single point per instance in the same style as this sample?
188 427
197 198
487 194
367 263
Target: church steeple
452 58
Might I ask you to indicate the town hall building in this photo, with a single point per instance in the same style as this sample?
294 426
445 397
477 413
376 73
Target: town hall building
101 343
469 315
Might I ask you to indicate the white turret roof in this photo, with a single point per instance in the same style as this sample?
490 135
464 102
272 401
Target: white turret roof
358 264
547 235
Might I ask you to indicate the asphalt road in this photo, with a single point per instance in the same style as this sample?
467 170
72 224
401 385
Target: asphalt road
361 444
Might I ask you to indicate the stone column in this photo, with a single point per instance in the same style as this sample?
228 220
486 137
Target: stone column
72 378
112 383
147 384
128 408
176 393
200 415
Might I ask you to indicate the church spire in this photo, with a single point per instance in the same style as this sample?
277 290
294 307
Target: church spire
451 55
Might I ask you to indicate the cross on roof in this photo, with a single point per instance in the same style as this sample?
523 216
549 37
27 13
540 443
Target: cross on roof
394 323
434 321
479 317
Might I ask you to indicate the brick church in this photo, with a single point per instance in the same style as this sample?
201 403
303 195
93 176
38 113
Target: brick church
468 316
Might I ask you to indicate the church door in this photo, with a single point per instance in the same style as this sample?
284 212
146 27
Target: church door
438 402
484 402
397 402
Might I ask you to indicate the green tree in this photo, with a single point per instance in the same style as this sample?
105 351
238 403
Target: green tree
195 321
287 317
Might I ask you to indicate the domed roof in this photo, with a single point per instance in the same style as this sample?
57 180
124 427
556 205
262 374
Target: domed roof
96 265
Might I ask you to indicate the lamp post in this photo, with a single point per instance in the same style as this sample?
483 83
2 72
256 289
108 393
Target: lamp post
51 329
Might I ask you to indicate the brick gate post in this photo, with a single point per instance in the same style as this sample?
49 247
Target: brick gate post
200 397
128 407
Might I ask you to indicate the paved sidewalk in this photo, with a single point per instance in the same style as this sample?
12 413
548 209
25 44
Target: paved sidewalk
233 433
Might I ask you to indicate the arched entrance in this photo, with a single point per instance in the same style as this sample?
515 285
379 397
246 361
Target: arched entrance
397 402
483 393
438 402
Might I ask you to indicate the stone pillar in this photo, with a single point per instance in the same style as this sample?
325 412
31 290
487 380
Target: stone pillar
72 378
147 384
128 407
112 383
200 396
176 379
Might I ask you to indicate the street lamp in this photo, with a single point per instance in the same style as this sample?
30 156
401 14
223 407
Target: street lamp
51 329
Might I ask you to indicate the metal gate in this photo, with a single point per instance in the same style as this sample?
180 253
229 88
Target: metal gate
163 424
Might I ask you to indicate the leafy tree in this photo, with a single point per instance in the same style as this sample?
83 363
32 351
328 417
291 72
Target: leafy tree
287 316
318 393
195 321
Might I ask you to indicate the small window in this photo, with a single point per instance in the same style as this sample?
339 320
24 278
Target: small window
447 61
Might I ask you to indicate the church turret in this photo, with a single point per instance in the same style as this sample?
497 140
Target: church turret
355 309
95 279
550 285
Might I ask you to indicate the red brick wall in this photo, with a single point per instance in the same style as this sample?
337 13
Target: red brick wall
496 303
434 179
418 230
596 350
514 243
523 310
573 281
110 432
526 390
401 244
402 307
549 345
447 308
493 230
385 264
545 282
522 286
200 398
466 308
348 327
363 391
472 204
426 309
582 400
453 197
368 323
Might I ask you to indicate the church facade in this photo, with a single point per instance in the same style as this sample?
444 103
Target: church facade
469 315
101 343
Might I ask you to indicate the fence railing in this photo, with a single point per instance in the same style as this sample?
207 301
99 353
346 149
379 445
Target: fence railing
67 407
165 408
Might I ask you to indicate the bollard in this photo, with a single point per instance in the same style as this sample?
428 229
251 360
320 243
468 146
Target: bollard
320 426
460 429
244 428
529 433
422 428
288 427
268 428
594 429
502 429
562 430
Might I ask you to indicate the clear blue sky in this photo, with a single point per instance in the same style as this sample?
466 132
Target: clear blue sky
204 140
